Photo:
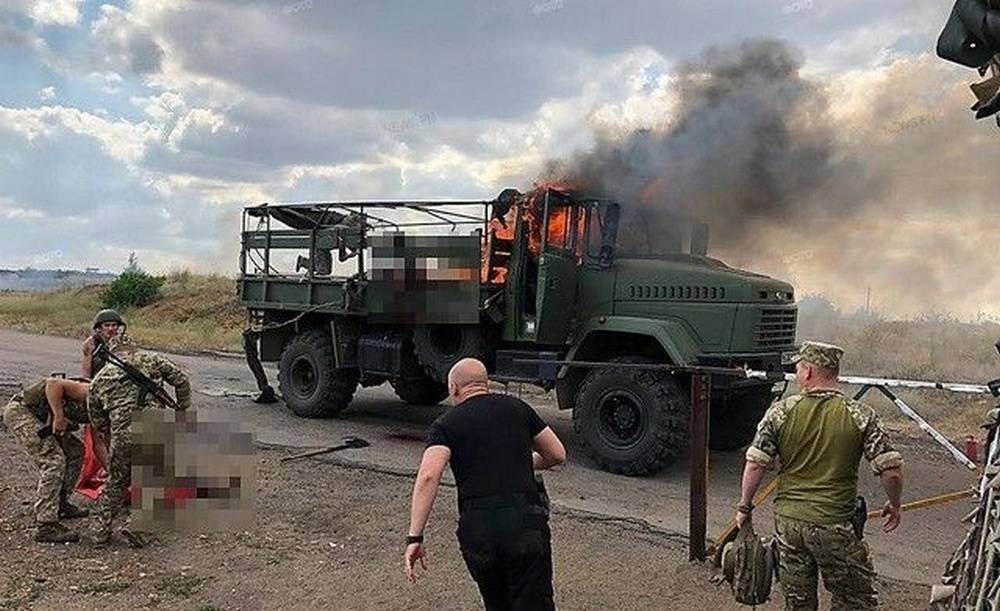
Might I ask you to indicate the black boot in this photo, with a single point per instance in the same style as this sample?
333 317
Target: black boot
136 539
69 511
54 532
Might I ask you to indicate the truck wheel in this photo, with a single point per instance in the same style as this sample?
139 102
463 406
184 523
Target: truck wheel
734 423
420 390
631 421
310 383
438 347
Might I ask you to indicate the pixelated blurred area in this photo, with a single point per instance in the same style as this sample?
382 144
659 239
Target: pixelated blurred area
191 475
424 279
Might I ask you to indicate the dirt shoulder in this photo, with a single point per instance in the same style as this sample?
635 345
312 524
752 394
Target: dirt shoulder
329 535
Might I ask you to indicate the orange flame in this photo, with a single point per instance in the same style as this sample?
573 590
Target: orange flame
500 237
558 224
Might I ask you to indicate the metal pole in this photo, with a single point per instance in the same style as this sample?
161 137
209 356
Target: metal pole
927 428
701 391
964 387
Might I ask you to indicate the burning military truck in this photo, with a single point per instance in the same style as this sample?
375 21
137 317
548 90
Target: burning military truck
348 294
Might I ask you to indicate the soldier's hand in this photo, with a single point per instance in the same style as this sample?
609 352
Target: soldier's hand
58 425
414 552
891 513
741 519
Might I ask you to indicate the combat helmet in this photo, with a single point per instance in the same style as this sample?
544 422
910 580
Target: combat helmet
107 316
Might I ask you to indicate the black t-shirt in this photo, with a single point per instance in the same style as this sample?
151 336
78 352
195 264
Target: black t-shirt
490 440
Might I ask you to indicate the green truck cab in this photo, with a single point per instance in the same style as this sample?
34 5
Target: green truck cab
528 283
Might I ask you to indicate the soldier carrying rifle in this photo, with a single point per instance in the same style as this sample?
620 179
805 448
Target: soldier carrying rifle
129 382
107 324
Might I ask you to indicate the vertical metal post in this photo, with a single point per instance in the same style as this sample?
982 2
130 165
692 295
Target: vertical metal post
243 248
362 244
701 391
267 257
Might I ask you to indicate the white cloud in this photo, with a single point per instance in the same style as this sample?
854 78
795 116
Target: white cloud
120 139
47 94
46 12
124 43
11 211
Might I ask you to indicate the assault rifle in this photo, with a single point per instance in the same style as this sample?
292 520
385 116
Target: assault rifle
146 385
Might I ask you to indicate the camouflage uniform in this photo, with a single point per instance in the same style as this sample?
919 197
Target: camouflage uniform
819 437
113 398
835 551
58 459
98 361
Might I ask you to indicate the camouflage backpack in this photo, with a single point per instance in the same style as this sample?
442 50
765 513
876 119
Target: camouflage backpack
748 565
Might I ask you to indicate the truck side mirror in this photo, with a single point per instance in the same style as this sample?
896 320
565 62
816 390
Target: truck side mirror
699 239
608 236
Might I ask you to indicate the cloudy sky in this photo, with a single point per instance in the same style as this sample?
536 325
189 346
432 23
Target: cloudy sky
146 125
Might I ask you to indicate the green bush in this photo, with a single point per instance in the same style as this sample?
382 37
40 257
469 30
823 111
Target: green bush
133 288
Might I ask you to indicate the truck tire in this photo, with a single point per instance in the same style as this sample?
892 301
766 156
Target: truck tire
438 347
310 383
420 390
631 421
734 423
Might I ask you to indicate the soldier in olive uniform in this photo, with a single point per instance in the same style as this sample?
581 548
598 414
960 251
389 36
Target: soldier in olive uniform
113 398
819 436
38 418
107 324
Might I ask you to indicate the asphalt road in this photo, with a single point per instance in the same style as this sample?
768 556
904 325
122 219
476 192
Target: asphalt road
916 552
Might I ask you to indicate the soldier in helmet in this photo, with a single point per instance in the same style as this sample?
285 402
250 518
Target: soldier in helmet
107 324
38 418
113 398
818 437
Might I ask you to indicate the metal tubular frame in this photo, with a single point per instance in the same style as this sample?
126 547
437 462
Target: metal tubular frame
433 209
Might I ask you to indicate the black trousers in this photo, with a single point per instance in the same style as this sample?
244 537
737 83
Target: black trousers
508 552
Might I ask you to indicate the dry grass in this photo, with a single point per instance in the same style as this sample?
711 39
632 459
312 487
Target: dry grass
193 313
935 348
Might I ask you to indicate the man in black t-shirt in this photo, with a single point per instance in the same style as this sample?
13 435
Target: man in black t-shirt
494 443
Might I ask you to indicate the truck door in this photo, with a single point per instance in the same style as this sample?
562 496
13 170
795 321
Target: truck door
555 305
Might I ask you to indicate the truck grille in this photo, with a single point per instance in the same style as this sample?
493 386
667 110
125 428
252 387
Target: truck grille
776 328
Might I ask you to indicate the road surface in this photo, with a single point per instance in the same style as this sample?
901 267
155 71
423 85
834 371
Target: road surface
916 552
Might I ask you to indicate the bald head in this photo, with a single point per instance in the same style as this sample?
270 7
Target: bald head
467 378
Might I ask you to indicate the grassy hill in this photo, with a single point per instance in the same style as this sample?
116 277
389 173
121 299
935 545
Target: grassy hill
193 313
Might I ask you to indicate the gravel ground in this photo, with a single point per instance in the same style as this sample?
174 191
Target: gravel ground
328 535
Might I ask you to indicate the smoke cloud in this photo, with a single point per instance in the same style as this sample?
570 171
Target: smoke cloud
873 179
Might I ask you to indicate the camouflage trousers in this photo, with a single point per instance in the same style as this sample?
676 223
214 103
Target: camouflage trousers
806 550
58 460
111 503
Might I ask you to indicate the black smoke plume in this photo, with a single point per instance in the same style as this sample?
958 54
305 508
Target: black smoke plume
748 141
